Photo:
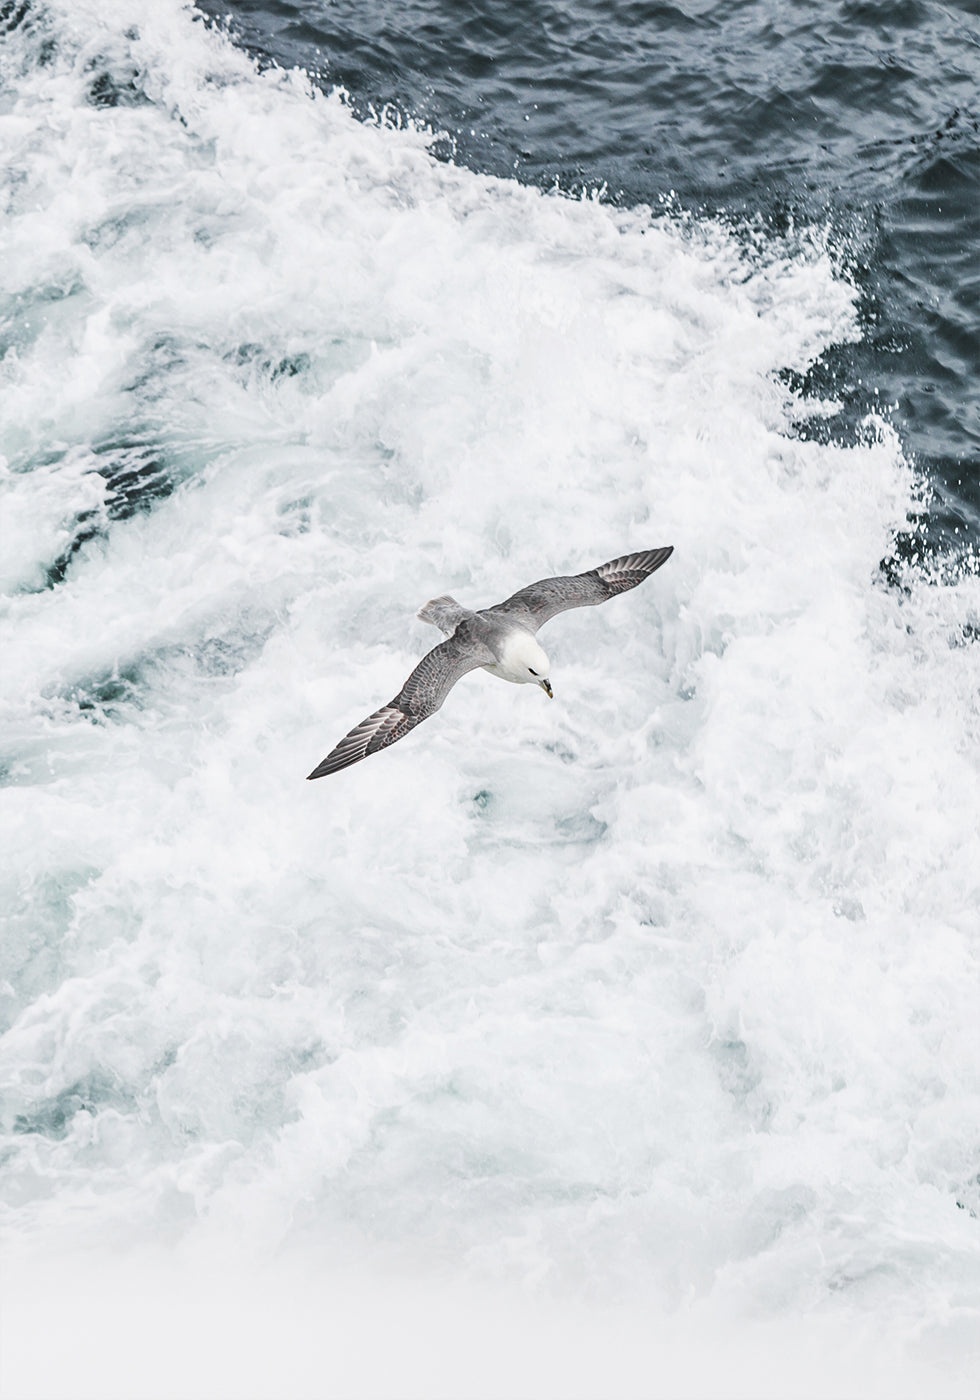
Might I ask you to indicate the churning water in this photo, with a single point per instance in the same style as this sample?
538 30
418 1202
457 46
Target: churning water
621 1045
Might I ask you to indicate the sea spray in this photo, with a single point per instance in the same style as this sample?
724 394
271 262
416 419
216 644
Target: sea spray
667 989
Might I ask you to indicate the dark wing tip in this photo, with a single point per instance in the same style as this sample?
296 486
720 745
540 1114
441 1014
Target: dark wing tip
624 573
335 760
374 733
329 765
645 560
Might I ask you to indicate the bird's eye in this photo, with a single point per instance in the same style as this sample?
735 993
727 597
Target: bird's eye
533 673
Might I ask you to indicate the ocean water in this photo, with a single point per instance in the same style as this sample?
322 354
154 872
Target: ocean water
621 1045
860 117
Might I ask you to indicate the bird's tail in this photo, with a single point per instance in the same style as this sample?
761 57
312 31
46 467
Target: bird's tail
444 613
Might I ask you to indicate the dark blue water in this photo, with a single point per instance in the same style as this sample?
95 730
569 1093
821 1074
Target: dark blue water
861 116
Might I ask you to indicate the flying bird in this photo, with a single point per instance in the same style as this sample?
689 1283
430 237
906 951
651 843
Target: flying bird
501 639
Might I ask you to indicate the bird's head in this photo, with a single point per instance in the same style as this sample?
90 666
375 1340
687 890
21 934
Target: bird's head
530 663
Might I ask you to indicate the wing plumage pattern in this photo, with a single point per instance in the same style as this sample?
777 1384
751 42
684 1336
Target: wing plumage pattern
420 696
538 602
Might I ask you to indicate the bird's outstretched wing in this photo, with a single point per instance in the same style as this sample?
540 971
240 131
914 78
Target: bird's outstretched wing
420 697
536 603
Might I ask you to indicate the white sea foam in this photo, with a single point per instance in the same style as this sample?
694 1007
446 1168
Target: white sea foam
662 995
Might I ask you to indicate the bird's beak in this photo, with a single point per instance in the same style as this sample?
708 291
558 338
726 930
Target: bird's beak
546 687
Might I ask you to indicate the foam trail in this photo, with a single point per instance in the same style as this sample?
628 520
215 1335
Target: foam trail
665 994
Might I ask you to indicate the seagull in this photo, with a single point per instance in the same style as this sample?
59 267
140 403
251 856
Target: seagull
501 639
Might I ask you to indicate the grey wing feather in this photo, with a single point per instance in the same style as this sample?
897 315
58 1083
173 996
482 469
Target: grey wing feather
538 602
420 696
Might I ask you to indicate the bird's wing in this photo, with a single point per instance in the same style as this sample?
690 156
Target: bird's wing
420 697
536 603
